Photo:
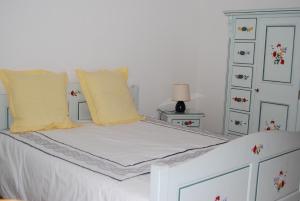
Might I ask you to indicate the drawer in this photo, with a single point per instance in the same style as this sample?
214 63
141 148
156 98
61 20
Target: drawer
240 99
220 188
278 177
238 122
177 122
241 77
245 28
243 53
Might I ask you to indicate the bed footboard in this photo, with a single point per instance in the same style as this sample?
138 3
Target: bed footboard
258 167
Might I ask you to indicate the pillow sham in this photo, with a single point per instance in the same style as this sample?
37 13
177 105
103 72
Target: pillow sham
108 96
37 100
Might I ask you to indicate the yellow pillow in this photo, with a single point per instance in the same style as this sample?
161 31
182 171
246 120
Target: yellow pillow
108 96
37 99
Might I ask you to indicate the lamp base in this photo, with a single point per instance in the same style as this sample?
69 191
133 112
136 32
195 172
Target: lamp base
180 107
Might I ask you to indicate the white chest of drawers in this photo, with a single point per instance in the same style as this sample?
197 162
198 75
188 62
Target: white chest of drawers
263 78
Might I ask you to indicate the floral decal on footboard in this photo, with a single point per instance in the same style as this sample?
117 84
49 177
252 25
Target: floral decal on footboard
74 92
256 149
272 125
280 180
218 198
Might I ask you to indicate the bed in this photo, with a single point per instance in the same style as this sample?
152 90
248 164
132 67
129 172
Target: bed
145 161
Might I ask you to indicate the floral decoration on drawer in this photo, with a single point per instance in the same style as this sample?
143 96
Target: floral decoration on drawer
240 99
278 53
280 180
188 123
238 123
241 76
272 125
256 149
218 198
245 29
242 52
75 92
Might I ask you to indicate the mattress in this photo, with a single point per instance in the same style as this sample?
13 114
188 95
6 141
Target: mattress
103 163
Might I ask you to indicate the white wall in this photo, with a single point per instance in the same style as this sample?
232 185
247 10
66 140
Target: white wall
161 41
153 38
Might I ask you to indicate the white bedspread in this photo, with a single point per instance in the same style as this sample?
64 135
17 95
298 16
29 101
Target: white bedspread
92 162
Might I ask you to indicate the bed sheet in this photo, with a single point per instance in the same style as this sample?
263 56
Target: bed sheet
31 170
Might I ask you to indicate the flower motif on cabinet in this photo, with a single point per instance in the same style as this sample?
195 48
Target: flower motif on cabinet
75 92
245 29
256 149
272 125
280 180
218 198
278 53
240 99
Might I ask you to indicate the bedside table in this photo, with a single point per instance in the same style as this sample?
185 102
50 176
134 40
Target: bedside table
188 119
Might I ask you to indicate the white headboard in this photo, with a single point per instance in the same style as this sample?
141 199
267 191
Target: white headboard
78 108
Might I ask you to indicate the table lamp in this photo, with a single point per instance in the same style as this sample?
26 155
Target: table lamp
181 93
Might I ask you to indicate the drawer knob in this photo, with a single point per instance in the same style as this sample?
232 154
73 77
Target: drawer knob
256 90
240 99
241 76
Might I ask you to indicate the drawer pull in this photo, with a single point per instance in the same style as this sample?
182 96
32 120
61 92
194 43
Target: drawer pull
238 123
242 52
241 76
240 99
279 180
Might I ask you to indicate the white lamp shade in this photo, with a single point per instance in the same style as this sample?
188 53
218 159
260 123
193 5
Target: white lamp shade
181 92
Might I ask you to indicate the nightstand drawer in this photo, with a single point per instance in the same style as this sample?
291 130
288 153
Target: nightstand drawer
186 122
182 119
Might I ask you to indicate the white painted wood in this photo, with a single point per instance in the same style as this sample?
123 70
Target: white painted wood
188 119
271 83
271 11
241 77
274 86
238 122
243 53
235 156
278 177
245 28
214 188
240 99
78 109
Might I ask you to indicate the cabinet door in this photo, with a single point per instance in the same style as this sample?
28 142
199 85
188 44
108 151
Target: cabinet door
277 75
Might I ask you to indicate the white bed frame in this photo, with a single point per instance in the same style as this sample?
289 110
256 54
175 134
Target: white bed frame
257 167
